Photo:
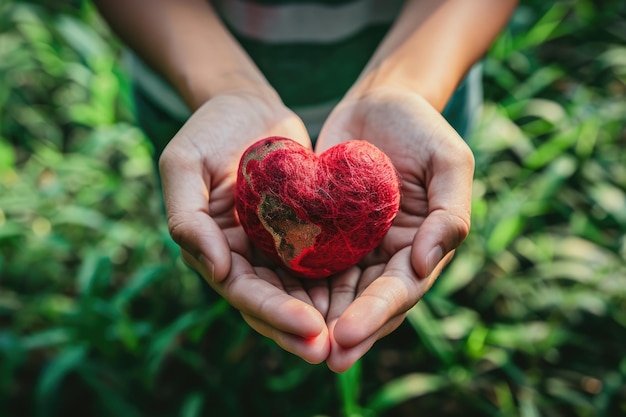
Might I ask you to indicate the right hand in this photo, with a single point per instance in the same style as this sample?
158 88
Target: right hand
198 169
436 170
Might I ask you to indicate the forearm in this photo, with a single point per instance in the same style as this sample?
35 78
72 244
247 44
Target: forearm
185 41
433 44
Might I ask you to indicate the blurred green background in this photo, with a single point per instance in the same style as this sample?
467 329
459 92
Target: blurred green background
99 316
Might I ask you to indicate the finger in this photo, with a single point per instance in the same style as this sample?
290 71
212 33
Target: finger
449 201
391 294
341 358
200 266
257 297
343 289
368 276
319 294
312 349
186 198
397 237
313 292
292 286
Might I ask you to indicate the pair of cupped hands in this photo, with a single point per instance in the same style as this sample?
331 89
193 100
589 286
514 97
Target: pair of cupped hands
338 319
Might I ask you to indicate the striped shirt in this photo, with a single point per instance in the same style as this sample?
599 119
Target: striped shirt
311 52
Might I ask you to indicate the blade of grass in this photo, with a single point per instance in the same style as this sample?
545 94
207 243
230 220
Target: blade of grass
53 375
164 340
350 389
549 26
405 388
192 407
430 333
142 278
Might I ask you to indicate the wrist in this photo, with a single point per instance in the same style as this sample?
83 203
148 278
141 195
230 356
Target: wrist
431 85
197 89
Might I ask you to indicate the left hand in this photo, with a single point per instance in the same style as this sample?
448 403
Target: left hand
436 169
198 171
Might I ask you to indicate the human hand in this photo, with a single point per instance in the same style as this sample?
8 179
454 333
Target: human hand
436 170
198 170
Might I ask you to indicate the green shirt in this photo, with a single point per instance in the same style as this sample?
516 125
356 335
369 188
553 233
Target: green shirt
311 51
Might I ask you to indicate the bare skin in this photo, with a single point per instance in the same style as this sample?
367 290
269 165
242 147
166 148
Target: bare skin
394 104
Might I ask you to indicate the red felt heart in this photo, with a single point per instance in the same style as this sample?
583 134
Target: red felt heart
316 215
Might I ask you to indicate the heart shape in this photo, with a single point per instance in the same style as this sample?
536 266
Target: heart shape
316 215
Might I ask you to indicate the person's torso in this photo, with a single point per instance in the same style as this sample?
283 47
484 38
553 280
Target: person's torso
310 51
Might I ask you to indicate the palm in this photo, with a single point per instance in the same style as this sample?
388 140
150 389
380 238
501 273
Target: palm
199 165
435 168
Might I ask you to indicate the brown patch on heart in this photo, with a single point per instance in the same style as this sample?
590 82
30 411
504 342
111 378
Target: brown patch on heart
291 234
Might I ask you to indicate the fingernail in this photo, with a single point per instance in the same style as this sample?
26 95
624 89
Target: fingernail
206 262
434 257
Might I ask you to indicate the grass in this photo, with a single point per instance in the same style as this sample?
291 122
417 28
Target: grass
99 316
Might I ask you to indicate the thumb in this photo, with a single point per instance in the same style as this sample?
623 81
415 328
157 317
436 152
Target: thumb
449 202
203 244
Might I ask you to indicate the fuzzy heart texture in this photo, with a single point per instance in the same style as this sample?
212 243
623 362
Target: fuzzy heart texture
316 215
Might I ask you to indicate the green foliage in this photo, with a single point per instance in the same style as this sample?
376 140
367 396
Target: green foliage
99 316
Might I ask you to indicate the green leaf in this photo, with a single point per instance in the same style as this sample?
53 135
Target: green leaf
402 389
350 389
528 406
53 375
539 80
94 273
11 229
12 358
430 332
47 338
285 381
140 280
77 215
164 341
531 337
614 57
552 148
546 185
7 157
611 199
504 232
459 273
111 400
192 407
82 38
546 28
